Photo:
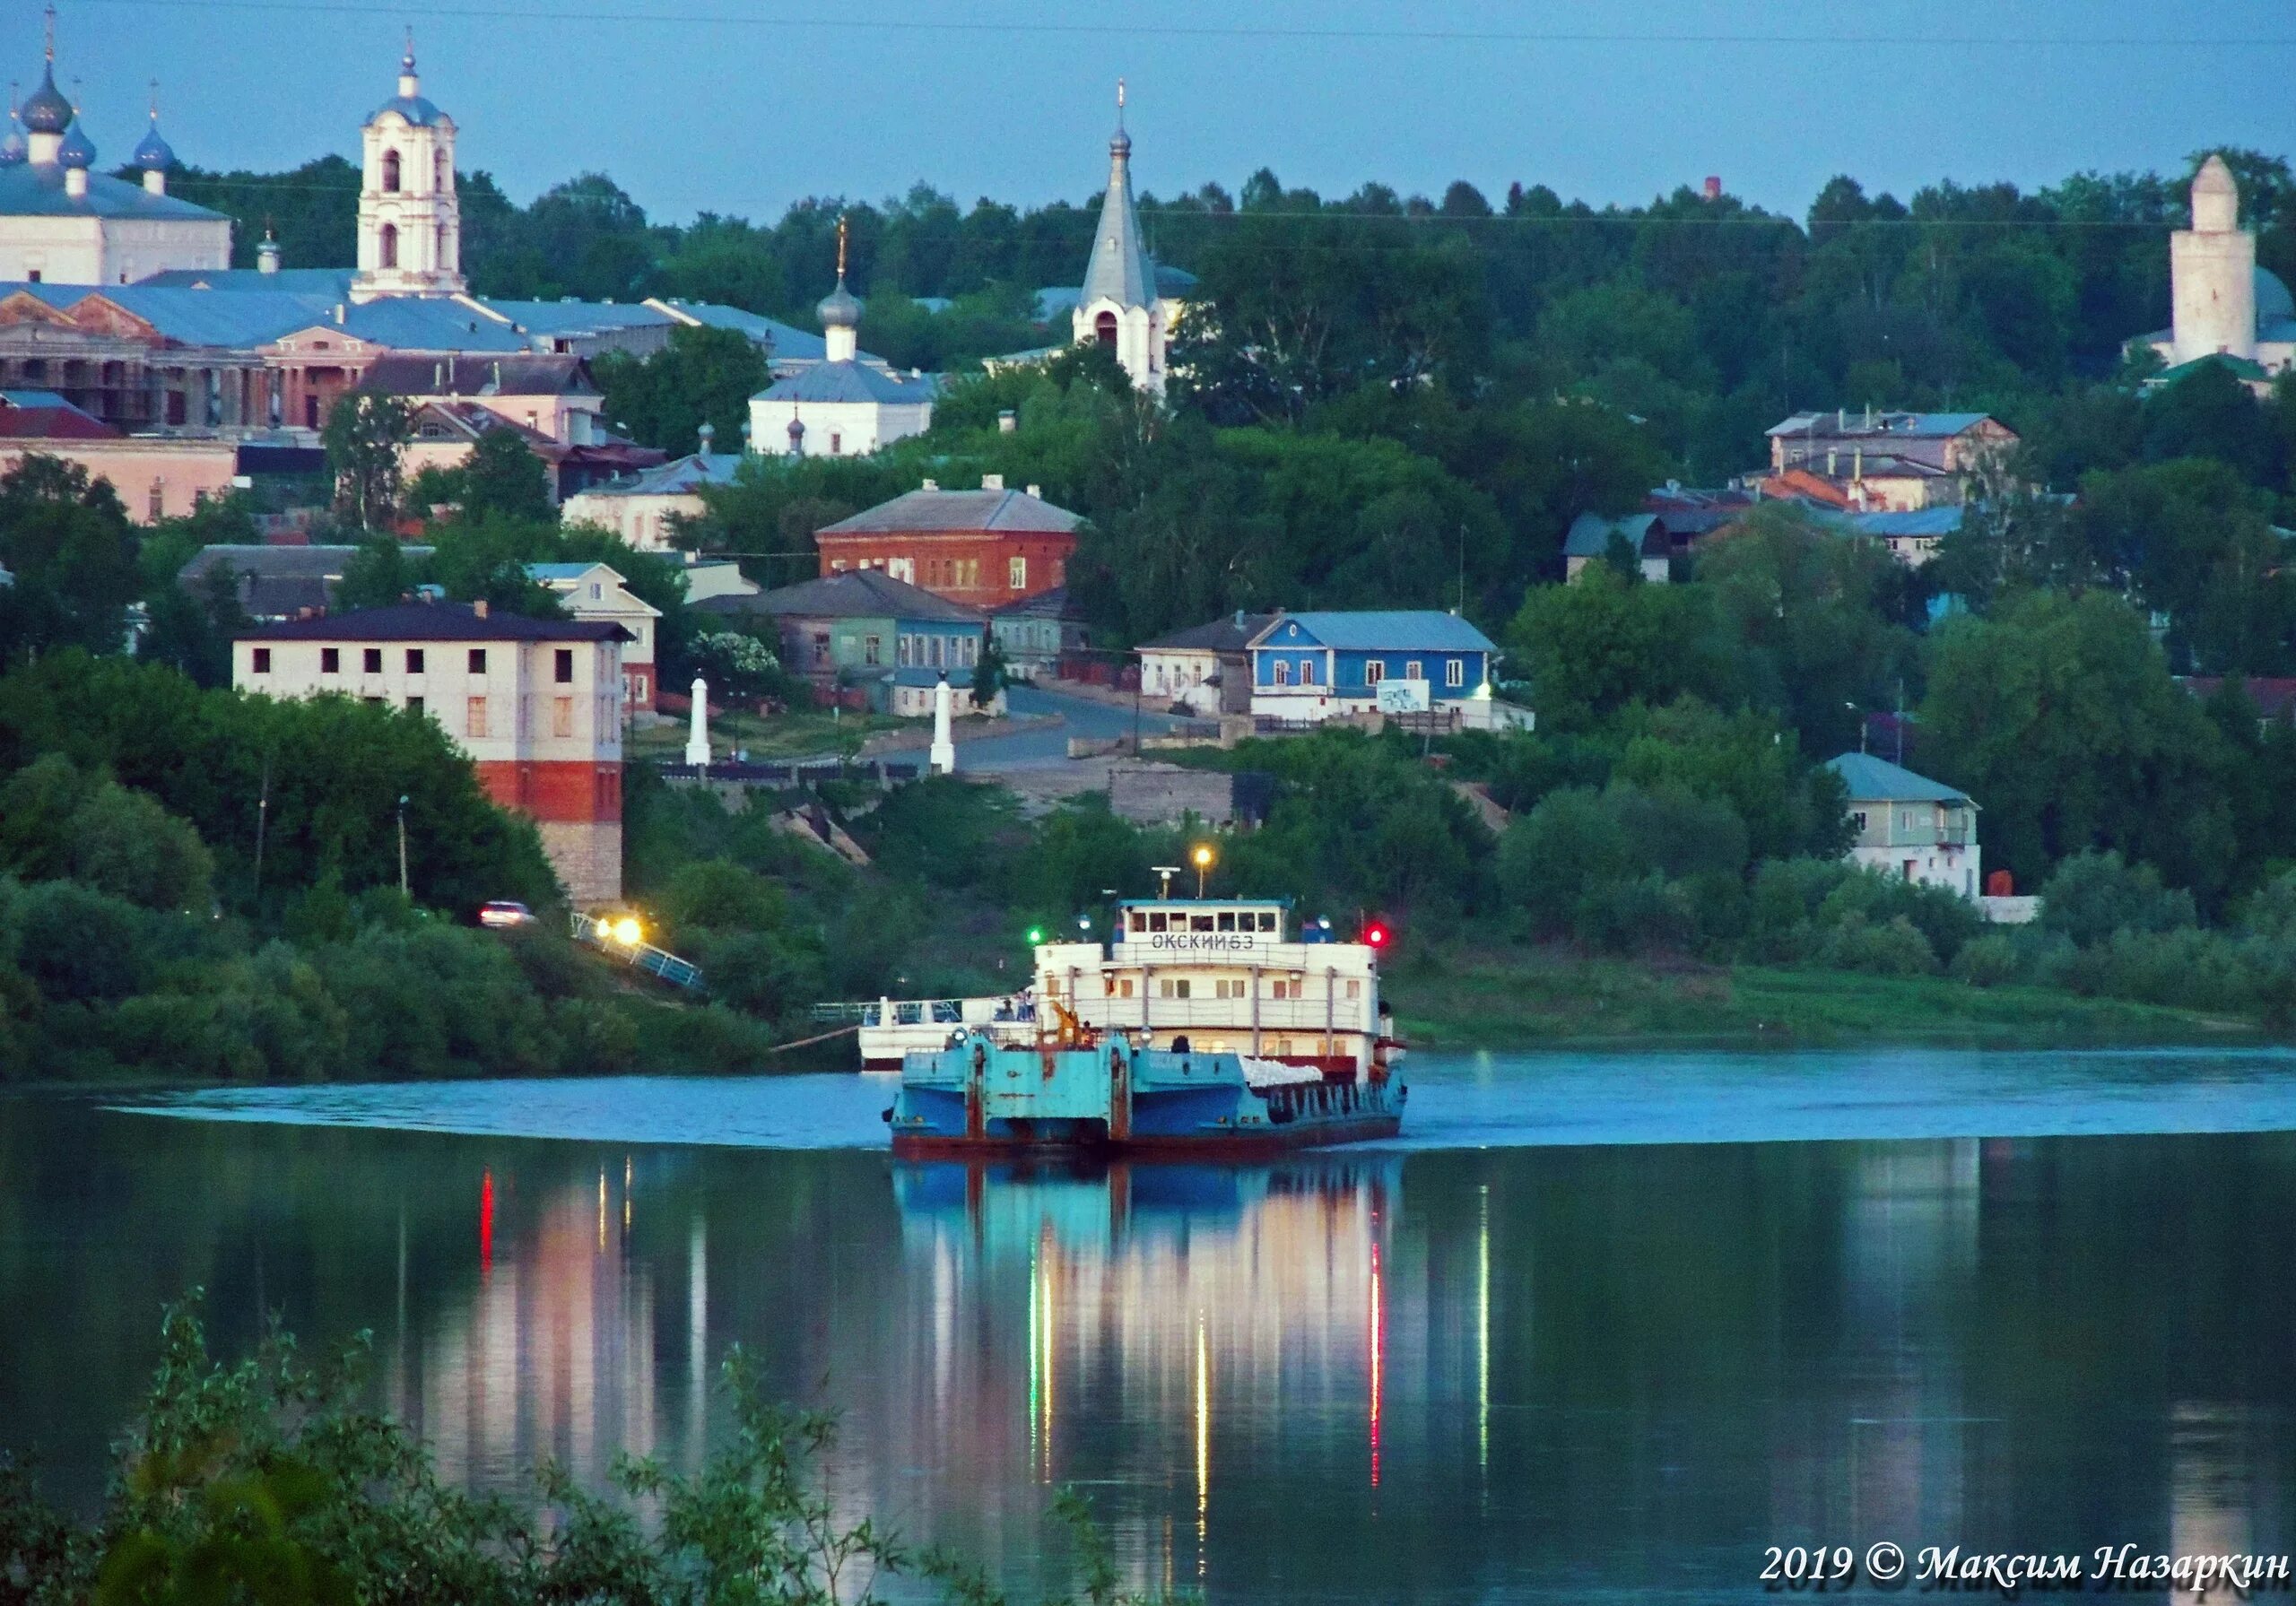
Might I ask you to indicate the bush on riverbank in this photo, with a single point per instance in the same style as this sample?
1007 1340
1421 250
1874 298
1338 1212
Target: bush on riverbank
266 1480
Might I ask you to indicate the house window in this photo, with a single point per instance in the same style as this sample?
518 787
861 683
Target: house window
821 649
330 660
638 688
1374 672
415 705
563 671
1414 670
561 717
474 718
1857 820
836 442
478 660
370 661
414 660
872 648
1016 573
1455 671
598 591
263 660
1307 672
1283 673
156 503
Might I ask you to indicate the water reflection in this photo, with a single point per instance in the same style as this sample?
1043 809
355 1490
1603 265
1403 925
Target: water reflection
1585 1374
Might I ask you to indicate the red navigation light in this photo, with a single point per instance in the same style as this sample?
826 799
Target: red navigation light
1376 935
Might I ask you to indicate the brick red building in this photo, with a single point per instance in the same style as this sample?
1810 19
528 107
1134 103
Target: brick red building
983 548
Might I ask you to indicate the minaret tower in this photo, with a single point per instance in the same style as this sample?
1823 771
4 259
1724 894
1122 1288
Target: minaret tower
410 220
2213 272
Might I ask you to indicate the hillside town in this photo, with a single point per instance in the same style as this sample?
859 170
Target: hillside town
1174 885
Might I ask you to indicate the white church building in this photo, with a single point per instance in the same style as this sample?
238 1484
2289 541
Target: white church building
2225 308
849 403
64 222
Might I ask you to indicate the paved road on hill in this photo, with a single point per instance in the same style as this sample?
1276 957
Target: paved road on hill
1048 746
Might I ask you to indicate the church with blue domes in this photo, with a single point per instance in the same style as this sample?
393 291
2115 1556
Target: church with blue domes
64 222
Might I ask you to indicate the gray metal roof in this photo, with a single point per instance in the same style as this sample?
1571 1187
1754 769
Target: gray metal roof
1120 269
1590 533
1869 779
857 593
334 283
36 189
826 382
925 512
680 477
525 374
1229 633
1398 631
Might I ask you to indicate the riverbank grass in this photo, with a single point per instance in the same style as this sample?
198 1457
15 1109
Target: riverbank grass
1538 997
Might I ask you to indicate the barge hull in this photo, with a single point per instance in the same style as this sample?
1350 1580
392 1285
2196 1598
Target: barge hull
1240 1145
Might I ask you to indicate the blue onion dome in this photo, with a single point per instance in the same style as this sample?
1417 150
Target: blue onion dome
77 150
47 112
152 151
838 309
13 150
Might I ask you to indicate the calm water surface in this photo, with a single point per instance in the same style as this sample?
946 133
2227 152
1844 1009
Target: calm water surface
1594 1331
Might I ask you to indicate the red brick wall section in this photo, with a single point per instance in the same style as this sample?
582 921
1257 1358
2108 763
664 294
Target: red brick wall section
1049 554
559 790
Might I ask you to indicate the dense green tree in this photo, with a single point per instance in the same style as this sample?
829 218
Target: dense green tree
365 435
66 540
703 376
1592 647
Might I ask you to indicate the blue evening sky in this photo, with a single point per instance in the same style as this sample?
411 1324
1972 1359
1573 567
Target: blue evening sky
690 113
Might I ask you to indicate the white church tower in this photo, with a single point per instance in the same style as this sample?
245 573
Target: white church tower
1118 306
410 222
2212 271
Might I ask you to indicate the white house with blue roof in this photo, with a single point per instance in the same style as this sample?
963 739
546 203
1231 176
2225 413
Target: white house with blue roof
1307 668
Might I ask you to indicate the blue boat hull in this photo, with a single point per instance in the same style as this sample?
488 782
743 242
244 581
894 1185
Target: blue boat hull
976 1098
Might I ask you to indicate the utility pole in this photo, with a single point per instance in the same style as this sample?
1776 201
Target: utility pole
261 816
402 845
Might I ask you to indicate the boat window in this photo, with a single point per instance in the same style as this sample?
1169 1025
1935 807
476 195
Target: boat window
1156 921
1355 988
1267 920
1139 921
1124 987
1227 920
905 1014
1201 923
946 1011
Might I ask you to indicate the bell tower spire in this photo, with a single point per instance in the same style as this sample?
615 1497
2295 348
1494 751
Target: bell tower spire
410 217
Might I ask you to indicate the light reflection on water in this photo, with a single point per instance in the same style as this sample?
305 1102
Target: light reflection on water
1574 1372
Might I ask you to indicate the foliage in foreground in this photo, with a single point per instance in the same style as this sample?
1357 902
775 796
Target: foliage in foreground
268 1481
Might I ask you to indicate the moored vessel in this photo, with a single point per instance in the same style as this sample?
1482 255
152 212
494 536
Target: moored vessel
1083 1090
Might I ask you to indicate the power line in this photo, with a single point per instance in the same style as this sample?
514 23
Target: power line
1245 31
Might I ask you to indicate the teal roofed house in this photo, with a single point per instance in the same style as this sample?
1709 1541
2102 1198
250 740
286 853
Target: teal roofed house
1307 668
1909 826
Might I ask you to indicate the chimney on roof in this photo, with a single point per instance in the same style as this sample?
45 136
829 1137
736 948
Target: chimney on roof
341 313
1007 422
1840 420
1036 490
1833 461
1869 415
992 482
478 608
1239 619
930 485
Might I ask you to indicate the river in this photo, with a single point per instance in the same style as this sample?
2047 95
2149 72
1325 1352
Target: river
1599 1328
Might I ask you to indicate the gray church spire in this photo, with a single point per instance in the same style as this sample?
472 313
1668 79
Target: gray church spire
1120 269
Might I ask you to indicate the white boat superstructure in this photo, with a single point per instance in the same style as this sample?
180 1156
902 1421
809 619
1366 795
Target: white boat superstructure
1214 975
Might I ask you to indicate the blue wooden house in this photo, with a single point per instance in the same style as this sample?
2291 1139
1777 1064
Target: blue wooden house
1310 668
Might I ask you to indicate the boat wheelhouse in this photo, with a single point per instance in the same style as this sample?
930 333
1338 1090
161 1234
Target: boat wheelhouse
1208 975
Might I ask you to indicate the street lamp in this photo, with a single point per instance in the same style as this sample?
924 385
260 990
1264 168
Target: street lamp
627 930
1202 858
402 845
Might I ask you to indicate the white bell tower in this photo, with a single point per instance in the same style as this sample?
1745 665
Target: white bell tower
409 221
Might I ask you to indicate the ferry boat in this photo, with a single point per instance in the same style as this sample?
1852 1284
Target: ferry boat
1209 974
1205 1027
